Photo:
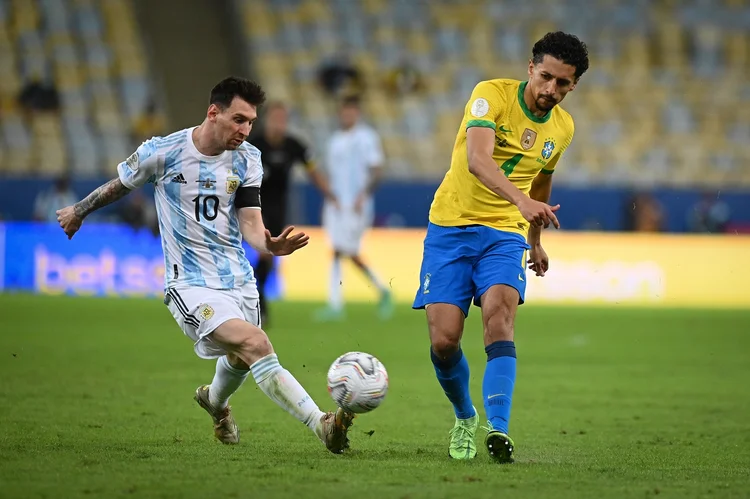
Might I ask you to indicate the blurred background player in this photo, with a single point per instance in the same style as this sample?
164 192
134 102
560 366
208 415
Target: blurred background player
486 215
207 193
354 162
48 201
280 152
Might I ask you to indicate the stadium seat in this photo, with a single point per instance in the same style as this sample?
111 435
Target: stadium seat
92 52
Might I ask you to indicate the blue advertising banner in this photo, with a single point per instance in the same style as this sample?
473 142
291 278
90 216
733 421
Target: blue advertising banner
102 259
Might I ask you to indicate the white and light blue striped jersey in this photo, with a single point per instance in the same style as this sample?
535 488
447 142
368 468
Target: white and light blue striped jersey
349 156
194 194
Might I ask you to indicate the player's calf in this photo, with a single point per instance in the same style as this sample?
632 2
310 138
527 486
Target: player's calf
499 305
445 324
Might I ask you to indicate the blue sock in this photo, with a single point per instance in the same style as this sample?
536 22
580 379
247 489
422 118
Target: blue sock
453 375
499 378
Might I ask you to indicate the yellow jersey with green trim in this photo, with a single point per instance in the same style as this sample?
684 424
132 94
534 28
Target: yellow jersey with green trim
525 146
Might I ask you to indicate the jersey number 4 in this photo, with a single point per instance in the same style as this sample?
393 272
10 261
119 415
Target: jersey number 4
210 207
509 165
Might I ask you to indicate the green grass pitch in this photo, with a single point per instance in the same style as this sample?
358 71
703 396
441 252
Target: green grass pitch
96 401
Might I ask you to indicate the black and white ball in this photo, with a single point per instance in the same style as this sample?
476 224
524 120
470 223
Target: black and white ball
357 382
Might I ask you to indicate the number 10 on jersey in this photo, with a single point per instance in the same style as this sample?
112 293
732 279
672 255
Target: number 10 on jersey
210 207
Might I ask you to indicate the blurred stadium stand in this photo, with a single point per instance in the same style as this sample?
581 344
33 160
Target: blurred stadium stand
665 107
668 92
75 93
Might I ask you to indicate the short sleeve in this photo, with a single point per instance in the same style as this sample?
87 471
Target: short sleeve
549 168
484 107
375 156
254 171
141 166
304 155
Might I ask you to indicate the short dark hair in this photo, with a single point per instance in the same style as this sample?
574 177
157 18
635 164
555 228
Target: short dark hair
227 89
565 47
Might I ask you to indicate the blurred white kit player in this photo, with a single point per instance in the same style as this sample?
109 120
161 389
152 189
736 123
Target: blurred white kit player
207 188
353 163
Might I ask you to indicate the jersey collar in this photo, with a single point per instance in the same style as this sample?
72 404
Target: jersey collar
526 110
194 150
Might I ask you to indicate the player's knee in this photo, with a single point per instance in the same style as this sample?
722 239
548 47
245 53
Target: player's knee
445 340
446 326
254 346
444 346
498 324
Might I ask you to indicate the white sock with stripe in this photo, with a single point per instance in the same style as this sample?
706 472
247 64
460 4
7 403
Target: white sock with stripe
227 380
281 387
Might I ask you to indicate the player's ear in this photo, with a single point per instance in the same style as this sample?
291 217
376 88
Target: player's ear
531 67
213 111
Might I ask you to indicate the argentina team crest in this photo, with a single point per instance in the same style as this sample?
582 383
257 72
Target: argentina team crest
528 139
549 147
232 184
206 311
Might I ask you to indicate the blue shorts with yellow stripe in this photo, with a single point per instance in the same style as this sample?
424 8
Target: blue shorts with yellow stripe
459 264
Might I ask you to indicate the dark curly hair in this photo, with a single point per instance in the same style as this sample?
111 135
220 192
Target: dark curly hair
227 89
565 47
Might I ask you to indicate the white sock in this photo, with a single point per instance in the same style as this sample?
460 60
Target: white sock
281 387
335 297
227 380
374 279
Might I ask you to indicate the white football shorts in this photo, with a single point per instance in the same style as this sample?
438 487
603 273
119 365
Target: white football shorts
345 227
199 311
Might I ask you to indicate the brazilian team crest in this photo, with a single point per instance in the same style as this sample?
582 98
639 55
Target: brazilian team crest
528 139
232 184
549 146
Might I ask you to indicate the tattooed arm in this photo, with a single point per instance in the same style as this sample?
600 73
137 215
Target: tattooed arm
102 196
71 217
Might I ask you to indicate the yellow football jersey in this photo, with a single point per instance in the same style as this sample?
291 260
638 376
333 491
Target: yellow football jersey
525 145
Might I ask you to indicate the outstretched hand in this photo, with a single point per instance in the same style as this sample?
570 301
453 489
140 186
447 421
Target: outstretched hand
283 244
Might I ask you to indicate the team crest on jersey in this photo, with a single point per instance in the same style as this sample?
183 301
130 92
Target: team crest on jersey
132 161
232 184
206 312
549 146
528 139
208 183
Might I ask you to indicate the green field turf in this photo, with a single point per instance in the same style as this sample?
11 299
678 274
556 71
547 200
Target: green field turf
96 401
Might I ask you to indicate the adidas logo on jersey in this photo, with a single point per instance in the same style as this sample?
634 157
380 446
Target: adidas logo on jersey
179 179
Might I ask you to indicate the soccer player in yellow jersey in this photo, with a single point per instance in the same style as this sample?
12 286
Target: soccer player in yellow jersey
486 218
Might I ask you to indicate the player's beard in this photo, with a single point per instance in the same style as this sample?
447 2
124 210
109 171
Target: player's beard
233 143
545 104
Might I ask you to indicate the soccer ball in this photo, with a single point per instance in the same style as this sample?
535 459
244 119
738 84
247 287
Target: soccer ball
357 382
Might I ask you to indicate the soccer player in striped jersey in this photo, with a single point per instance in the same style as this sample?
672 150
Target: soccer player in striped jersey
486 217
207 188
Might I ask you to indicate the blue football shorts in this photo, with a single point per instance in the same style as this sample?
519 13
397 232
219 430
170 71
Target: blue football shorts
461 263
